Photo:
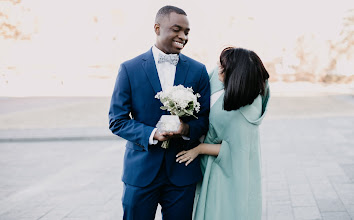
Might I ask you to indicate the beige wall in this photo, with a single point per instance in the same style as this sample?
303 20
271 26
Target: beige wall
74 39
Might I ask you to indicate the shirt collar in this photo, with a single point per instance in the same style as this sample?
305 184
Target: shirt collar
155 52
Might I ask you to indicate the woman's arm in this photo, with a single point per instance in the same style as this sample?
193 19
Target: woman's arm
190 155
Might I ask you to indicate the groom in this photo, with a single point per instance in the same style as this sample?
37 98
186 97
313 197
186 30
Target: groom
151 174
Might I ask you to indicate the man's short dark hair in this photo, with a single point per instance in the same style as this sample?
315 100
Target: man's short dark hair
244 77
167 10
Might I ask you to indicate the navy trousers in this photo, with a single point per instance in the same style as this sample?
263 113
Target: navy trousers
140 203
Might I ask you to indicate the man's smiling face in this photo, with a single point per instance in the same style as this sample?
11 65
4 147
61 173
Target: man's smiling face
172 33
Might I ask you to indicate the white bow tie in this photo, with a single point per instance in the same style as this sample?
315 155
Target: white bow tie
170 58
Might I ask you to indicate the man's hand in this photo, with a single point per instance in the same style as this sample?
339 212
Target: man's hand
163 136
183 130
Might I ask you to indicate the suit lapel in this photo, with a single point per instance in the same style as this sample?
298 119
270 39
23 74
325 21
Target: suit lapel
181 70
151 72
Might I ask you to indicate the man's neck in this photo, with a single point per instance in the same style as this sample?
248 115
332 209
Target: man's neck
160 50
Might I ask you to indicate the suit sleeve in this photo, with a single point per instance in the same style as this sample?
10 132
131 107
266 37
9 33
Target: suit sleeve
120 122
199 126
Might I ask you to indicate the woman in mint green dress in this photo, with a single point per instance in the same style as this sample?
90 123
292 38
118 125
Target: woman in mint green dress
230 154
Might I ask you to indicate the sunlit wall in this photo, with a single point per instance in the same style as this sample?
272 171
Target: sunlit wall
48 44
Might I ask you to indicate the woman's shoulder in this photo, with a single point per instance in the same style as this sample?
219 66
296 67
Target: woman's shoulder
213 72
220 118
253 112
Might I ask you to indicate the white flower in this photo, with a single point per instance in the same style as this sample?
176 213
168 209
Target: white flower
179 100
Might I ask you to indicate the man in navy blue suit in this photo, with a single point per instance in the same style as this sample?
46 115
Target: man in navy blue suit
151 174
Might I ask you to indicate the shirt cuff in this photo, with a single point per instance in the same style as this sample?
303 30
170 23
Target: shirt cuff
186 138
151 139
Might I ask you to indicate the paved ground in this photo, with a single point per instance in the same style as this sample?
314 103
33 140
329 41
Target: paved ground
59 161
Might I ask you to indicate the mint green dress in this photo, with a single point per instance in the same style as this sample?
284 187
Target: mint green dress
231 186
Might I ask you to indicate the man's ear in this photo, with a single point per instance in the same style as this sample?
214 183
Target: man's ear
157 29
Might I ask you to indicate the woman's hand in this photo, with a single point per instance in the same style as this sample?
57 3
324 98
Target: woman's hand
203 148
188 156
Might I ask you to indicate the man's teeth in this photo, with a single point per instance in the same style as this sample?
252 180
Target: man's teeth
179 44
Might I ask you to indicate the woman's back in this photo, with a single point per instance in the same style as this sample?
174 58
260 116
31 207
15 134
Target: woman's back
231 187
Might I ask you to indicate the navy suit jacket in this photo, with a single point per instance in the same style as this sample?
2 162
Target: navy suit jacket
134 112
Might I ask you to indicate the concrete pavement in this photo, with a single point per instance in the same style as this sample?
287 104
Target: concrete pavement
59 160
54 118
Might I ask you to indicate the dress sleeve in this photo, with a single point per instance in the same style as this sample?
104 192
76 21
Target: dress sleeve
212 137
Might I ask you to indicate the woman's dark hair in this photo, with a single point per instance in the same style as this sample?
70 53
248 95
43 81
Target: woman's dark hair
244 77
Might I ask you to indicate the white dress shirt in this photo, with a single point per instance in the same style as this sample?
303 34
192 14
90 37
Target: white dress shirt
166 72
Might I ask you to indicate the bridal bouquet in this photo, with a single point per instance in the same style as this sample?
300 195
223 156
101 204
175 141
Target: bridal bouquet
180 102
